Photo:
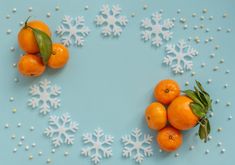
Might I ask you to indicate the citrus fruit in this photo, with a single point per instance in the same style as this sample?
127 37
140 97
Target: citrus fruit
59 57
169 139
156 116
26 39
166 91
180 114
31 65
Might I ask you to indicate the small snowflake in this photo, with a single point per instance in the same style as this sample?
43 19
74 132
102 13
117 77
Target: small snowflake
61 129
179 56
137 144
111 20
156 29
73 30
44 96
99 145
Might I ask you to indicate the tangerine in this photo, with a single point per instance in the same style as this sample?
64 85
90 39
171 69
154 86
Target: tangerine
169 139
31 65
26 38
156 116
180 114
59 57
166 91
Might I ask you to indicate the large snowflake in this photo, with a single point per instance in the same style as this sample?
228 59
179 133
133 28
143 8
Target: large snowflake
156 29
137 144
111 20
73 30
179 56
61 129
44 96
99 145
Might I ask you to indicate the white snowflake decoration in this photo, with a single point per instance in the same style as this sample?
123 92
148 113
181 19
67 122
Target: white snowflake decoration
61 129
137 144
44 96
111 20
99 145
179 57
73 30
156 29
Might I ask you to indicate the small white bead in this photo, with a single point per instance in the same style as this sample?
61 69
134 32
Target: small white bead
207 151
222 61
66 153
13 136
30 157
31 128
132 14
211 38
161 11
21 23
225 85
19 125
225 15
207 30
20 144
86 7
145 7
182 20
22 138
219 144
33 145
194 15
211 18
39 153
12 49
204 11
160 150
177 154
8 16
212 55
195 27
227 71
26 148
178 11
217 101
30 9
193 74
217 47
8 31
186 83
185 26
191 147
48 161
13 10
215 68
223 151
6 126
228 30
209 137
203 65
219 129
57 8
48 15
230 117
228 104
11 99
53 151
209 81
219 29
202 18
14 150
211 114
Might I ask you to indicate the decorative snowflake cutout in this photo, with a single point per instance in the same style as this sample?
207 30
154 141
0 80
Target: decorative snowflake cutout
73 30
44 96
156 29
99 145
137 144
111 20
179 56
61 129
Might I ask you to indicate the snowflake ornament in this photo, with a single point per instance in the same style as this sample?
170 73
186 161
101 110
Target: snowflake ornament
44 96
73 30
61 129
99 145
179 57
156 29
111 20
137 144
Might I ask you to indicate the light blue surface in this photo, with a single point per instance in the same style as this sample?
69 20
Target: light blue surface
109 82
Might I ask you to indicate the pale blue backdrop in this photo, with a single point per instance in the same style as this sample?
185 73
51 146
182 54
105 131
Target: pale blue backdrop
109 82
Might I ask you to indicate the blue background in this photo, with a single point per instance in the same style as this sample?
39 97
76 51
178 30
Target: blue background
109 82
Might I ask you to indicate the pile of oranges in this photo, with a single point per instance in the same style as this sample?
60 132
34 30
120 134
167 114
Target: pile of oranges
170 115
31 63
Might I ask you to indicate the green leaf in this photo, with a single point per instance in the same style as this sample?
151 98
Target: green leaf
200 87
197 110
193 96
204 129
44 43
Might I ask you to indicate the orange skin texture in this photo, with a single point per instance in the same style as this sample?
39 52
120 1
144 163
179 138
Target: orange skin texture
166 91
26 39
180 114
156 116
31 65
59 57
169 139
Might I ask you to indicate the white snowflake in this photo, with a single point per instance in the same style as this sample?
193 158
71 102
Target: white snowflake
73 30
44 96
137 144
179 56
61 129
99 145
111 20
156 29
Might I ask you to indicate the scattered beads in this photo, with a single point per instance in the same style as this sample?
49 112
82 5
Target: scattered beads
30 157
211 18
8 31
30 9
211 114
186 83
11 99
57 8
228 104
33 145
14 150
230 117
19 125
8 16
209 81
178 11
215 68
13 10
20 144
53 151
48 161
22 138
211 38
203 65
185 26
145 7
225 85
212 55
221 61
48 15
197 39
39 153
217 101
195 27
13 136
219 129
86 7
31 128
66 153
182 20
6 126
191 147
26 148
204 11
193 74
177 154
194 15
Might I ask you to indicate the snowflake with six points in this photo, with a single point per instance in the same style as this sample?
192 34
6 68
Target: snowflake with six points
179 57
44 96
111 20
73 30
156 29
137 144
61 129
99 145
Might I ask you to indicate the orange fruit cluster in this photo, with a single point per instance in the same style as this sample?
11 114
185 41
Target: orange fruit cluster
31 63
169 115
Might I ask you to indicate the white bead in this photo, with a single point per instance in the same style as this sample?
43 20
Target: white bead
207 151
30 9
13 10
48 161
230 117
209 81
194 15
8 31
53 151
26 148
15 149
219 129
6 126
191 147
57 8
48 15
228 104
22 138
177 155
66 153
223 150
219 144
11 99
33 144
39 153
19 125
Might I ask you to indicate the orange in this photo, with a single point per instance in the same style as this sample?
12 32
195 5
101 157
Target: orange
59 57
31 65
180 114
166 91
26 39
169 139
156 116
